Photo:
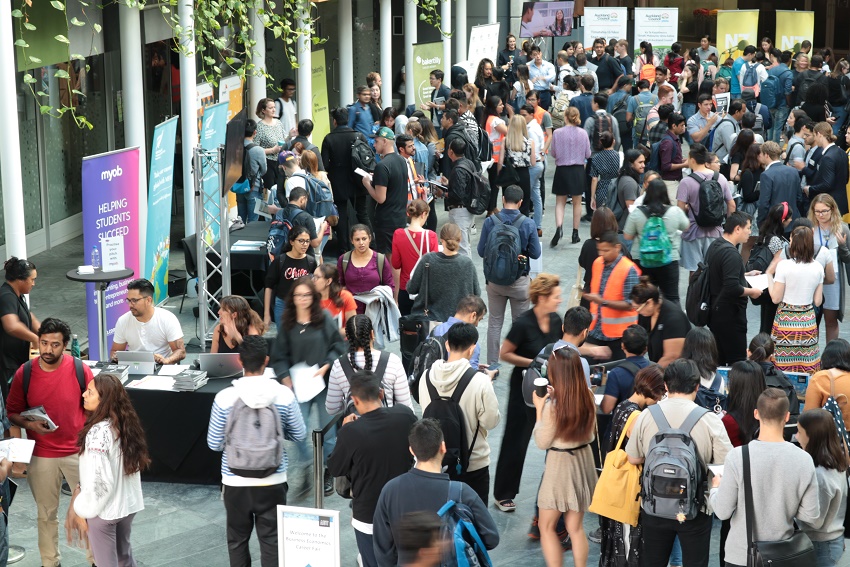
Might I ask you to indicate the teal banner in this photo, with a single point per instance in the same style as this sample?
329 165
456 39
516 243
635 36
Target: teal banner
213 130
160 191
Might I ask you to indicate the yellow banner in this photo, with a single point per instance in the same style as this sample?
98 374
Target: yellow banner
321 115
736 29
792 28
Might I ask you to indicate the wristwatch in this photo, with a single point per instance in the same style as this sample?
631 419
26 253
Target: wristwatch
604 303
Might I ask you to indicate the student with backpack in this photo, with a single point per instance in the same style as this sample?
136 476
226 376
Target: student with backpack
255 481
565 427
666 428
292 263
426 487
462 399
620 383
638 109
254 165
372 451
362 269
777 92
653 229
506 238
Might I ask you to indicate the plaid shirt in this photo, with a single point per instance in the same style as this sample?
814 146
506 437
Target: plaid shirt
632 279
656 133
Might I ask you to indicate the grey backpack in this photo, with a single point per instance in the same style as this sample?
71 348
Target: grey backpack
673 480
253 440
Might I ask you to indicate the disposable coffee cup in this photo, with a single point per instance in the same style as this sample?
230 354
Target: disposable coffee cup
541 386
281 143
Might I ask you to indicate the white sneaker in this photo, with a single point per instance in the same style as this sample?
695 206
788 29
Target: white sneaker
359 561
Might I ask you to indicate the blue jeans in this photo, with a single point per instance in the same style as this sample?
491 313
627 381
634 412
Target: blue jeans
688 110
839 114
245 204
364 546
779 116
829 552
279 304
317 403
535 173
676 554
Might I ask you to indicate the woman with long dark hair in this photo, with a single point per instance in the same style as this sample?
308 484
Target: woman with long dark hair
628 185
294 263
661 267
745 384
838 84
815 103
484 78
336 300
236 321
560 27
566 419
745 139
748 186
701 347
772 235
113 452
816 435
762 350
359 271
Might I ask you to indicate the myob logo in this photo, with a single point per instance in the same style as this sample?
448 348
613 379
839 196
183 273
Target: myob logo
109 174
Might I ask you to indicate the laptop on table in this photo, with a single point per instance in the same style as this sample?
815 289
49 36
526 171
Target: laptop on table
220 365
139 362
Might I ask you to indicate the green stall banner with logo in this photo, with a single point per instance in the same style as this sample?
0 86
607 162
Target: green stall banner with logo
321 116
427 57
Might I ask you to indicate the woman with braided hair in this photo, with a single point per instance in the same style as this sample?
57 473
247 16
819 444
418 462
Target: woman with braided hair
361 356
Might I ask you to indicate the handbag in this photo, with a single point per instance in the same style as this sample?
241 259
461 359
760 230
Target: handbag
616 493
574 300
414 329
796 551
508 174
342 486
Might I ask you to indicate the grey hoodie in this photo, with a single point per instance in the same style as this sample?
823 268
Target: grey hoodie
479 404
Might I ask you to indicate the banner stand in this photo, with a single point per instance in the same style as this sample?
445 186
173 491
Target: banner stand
211 213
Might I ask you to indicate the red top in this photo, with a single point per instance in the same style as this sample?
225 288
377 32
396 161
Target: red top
405 255
348 304
732 430
59 393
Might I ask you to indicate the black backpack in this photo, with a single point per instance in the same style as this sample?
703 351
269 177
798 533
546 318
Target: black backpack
712 207
476 199
425 355
380 370
601 123
362 155
711 398
619 113
448 412
760 257
698 298
775 378
485 145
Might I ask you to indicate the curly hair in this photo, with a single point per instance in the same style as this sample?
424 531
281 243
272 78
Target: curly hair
317 314
115 405
358 331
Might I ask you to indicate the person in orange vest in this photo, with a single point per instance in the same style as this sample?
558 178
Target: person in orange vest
611 283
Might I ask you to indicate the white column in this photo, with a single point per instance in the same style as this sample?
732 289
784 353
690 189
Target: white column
304 92
346 53
188 110
446 25
411 20
387 43
132 71
256 81
492 9
461 46
10 152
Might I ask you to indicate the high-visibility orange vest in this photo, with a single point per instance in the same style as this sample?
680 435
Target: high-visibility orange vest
614 321
497 144
539 114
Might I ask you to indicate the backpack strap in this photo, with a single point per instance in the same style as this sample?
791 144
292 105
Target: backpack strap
692 419
381 369
27 377
27 372
715 385
345 364
346 259
456 395
748 498
381 258
630 366
660 419
432 391
81 377
412 242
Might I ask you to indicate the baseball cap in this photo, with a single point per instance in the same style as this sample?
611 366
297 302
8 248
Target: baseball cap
286 156
386 133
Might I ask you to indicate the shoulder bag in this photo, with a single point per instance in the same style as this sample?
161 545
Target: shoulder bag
423 248
616 493
796 551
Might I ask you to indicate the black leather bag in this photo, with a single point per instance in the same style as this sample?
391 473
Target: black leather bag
796 551
413 329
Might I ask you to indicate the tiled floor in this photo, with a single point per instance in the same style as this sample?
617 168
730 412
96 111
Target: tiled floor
183 525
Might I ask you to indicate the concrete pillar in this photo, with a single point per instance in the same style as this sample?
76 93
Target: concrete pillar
188 110
829 40
386 44
411 20
492 10
461 46
446 17
132 71
346 53
10 152
256 81
304 77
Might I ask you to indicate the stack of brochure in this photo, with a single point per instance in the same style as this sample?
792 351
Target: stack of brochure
190 380
120 370
39 414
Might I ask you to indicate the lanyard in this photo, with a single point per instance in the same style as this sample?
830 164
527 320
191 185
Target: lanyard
820 233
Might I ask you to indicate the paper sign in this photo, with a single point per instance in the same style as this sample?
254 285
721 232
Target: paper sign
305 382
17 450
757 282
308 536
112 249
721 103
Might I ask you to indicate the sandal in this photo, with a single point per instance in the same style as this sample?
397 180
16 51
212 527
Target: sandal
506 505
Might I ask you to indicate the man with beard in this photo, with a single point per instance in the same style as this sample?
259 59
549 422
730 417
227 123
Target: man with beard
148 328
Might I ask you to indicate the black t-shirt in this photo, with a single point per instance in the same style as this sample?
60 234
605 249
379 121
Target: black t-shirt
13 350
627 62
300 217
607 71
692 94
586 258
672 323
391 173
529 339
284 270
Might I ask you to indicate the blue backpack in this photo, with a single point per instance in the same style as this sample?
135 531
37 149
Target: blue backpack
279 231
466 549
320 199
654 158
502 250
773 91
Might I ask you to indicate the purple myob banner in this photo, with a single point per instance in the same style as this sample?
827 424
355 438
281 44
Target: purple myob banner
110 208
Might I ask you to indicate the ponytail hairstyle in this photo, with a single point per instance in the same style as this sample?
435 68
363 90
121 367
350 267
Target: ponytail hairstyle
358 331
329 271
450 235
761 348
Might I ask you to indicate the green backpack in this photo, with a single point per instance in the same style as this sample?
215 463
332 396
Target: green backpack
655 246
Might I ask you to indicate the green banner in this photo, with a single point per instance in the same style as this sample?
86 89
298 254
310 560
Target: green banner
321 115
35 36
426 58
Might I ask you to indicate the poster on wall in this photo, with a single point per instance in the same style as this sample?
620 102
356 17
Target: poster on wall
607 23
160 192
426 58
213 130
483 44
307 536
110 185
736 29
321 115
205 96
793 28
658 26
546 19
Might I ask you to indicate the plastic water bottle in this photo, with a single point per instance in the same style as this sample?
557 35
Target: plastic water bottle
95 257
75 346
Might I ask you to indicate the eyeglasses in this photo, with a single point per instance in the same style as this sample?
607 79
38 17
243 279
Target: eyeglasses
135 301
823 211
302 241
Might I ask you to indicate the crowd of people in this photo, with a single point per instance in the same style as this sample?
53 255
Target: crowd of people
751 202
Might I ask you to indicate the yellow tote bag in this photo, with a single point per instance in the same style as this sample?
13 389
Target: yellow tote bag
616 494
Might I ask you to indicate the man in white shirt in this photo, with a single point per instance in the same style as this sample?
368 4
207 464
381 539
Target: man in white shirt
285 109
535 172
148 328
761 73
564 70
541 73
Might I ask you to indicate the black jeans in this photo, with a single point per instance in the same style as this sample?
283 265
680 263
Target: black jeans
525 185
405 304
479 481
245 507
728 324
666 278
518 427
725 526
357 205
494 189
659 533
587 190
